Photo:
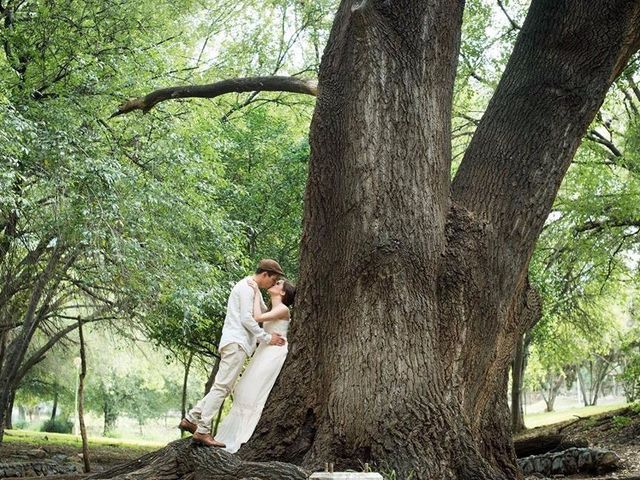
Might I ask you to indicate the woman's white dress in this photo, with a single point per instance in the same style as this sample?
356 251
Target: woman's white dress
252 390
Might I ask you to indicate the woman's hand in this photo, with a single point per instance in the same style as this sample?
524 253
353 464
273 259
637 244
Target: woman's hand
253 285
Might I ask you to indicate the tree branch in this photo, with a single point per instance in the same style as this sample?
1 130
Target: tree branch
514 25
212 90
597 137
39 354
609 222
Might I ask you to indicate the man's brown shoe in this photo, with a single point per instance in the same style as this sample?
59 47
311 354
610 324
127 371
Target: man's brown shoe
187 426
208 440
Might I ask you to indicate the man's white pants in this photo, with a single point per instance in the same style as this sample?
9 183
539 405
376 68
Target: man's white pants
232 359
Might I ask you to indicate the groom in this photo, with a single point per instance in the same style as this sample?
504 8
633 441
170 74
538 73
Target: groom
238 341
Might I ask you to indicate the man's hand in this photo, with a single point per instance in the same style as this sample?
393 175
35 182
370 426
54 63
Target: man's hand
253 285
277 339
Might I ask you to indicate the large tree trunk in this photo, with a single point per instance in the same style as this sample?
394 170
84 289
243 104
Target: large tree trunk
406 320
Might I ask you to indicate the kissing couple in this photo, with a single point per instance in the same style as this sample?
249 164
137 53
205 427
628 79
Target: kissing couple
240 333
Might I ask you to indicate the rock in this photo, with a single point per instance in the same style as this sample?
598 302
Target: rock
557 464
570 461
37 453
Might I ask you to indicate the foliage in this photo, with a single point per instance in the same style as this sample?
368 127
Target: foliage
57 426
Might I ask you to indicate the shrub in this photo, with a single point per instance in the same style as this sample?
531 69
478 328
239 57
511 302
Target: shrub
20 425
57 426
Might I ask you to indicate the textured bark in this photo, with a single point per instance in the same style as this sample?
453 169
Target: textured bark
250 84
406 316
183 459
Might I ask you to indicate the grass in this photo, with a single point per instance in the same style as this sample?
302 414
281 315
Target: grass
31 437
62 439
547 418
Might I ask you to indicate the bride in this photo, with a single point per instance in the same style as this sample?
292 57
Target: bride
253 388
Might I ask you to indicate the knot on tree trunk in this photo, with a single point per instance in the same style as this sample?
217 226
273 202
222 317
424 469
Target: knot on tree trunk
187 460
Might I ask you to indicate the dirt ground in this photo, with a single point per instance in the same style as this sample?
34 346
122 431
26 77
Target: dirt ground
617 430
102 457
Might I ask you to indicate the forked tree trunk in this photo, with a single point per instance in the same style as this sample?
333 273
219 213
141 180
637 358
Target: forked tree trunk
412 289
406 316
550 392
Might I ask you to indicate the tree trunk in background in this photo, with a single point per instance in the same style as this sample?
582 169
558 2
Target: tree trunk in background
110 419
54 409
519 363
212 376
517 378
185 381
9 419
83 428
410 286
550 393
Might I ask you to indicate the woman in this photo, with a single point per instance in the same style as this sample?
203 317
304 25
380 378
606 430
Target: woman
253 388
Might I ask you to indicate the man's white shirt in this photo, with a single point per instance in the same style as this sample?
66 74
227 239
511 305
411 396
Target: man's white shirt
239 325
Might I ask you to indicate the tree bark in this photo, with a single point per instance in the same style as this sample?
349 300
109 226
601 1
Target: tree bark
552 388
405 322
250 84
411 287
83 374
186 460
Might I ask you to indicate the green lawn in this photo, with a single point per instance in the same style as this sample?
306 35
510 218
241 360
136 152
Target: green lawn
547 418
28 436
32 437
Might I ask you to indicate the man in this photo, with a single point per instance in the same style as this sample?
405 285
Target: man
238 341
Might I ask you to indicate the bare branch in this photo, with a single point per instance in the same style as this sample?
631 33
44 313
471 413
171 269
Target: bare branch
597 137
607 223
213 90
513 23
40 354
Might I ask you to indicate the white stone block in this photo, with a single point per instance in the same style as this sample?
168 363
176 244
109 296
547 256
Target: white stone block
347 476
